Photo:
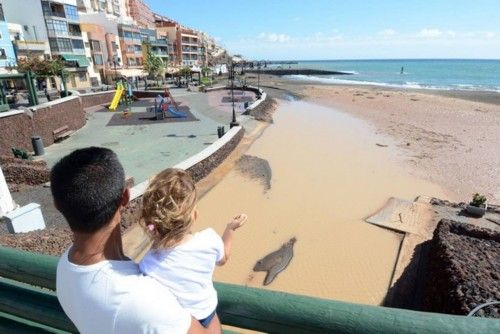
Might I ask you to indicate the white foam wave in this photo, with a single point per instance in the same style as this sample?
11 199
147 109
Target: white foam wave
408 84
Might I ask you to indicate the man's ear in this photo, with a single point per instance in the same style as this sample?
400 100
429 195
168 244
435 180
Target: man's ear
125 197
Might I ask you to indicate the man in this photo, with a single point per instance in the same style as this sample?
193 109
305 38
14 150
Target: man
99 288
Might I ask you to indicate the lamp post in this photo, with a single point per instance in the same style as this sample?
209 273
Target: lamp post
233 122
258 75
116 60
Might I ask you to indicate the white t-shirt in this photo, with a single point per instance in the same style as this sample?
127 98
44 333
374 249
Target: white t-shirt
114 297
187 271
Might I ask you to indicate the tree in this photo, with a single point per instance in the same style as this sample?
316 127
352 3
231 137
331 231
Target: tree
43 68
153 64
206 71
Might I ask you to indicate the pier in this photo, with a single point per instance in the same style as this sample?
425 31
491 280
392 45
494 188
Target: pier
295 71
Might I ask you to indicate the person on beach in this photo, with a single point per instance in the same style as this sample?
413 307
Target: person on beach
182 260
98 287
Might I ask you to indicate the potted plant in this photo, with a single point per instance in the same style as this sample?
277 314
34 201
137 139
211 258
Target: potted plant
478 206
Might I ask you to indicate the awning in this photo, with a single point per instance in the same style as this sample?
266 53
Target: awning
80 60
132 72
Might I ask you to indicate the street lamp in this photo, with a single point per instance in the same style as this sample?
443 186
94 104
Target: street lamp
233 122
116 61
258 75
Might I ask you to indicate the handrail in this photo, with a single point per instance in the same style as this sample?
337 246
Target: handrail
277 312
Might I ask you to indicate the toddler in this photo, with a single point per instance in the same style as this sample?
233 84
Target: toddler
180 259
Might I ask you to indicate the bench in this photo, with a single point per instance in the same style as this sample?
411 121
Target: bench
61 133
28 304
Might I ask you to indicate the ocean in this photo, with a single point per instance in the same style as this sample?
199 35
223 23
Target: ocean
444 74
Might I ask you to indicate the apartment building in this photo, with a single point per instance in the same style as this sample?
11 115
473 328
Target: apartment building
7 55
131 45
170 31
28 33
141 13
66 40
160 46
190 47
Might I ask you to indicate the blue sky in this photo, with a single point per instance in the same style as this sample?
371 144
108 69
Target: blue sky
345 29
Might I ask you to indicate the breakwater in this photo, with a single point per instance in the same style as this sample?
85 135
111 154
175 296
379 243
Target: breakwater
296 71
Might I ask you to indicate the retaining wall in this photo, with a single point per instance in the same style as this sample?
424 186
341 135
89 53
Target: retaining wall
18 126
201 164
97 98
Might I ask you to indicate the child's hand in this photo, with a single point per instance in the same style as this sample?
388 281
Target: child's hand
237 222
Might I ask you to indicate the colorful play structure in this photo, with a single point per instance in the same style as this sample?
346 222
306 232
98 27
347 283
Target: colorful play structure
166 104
123 95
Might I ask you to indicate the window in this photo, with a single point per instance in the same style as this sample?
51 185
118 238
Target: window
60 44
77 44
115 46
138 48
57 27
96 45
3 54
130 48
71 12
97 59
82 76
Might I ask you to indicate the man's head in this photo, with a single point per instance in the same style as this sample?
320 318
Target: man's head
88 188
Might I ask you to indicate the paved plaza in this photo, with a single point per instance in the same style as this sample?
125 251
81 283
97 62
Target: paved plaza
149 147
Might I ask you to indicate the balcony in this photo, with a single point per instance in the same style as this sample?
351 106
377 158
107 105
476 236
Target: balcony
36 46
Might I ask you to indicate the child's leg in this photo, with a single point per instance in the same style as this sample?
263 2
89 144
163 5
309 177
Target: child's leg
214 326
208 320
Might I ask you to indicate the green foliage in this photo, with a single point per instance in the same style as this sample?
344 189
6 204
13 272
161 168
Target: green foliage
185 72
205 71
153 65
42 67
478 200
20 153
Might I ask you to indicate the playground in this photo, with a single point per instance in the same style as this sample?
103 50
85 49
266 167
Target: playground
148 134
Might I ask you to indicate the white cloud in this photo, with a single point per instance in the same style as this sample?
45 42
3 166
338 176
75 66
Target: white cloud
430 33
490 34
387 33
274 37
451 33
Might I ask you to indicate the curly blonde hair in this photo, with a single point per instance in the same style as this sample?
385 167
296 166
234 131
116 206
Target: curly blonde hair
168 205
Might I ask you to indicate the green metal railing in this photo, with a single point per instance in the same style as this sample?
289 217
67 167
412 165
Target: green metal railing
28 281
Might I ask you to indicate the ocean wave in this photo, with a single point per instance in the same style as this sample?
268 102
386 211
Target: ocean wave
408 84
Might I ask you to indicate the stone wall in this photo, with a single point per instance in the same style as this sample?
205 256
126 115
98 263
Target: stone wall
18 126
51 116
201 164
20 171
94 99
16 129
207 165
464 270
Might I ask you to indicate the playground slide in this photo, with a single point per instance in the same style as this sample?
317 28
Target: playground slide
116 98
176 113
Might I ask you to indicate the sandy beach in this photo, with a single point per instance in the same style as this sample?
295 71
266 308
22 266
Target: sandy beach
328 174
447 137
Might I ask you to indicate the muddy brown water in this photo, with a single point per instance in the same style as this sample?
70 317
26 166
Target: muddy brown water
328 174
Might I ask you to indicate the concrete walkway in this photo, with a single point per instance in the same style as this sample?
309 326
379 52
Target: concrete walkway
146 149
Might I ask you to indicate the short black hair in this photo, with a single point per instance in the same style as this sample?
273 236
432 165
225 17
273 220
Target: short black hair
87 186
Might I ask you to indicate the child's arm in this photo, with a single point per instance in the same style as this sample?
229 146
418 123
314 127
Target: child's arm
227 237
